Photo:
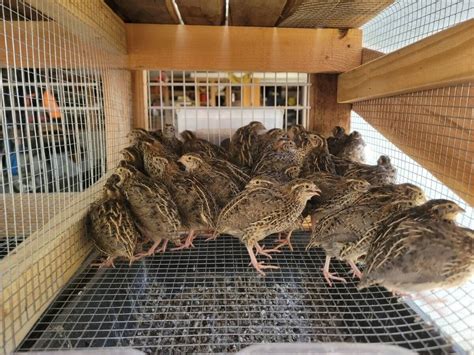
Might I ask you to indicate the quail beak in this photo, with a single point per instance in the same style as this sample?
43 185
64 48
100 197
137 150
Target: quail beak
315 191
460 210
181 165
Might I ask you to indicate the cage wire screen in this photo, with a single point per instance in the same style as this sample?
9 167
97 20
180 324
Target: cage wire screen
66 108
64 111
215 104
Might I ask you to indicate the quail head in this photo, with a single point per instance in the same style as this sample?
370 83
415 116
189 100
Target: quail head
167 137
152 205
336 142
263 210
111 226
353 148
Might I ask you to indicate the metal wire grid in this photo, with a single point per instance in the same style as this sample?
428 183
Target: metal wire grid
456 316
208 299
215 104
64 116
408 21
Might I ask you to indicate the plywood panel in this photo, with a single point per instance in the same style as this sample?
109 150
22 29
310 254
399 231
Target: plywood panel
140 99
202 12
262 13
435 128
335 13
325 112
242 48
445 58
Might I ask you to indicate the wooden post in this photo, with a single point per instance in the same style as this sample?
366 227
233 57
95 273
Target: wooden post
325 112
140 99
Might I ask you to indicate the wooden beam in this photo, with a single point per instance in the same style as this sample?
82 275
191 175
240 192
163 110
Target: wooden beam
334 14
140 99
325 112
118 112
202 12
261 13
231 48
370 54
434 128
443 59
145 11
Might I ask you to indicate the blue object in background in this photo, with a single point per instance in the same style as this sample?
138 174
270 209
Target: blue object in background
14 163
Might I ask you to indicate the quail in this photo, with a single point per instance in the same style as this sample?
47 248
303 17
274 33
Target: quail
353 148
133 155
318 159
337 141
197 208
341 231
111 226
260 211
380 174
214 180
193 144
242 141
152 205
167 137
423 245
418 256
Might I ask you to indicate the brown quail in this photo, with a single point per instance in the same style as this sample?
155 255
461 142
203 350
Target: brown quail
242 141
260 211
193 144
167 137
152 205
346 227
380 174
111 226
216 181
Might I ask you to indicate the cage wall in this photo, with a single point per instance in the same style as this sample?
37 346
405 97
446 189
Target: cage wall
65 108
429 137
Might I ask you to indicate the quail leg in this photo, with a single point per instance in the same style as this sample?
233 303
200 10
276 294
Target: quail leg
152 249
259 266
109 262
266 252
214 236
328 275
188 242
285 241
355 270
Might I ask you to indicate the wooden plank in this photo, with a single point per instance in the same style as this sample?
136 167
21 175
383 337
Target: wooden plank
202 12
145 11
370 54
17 49
140 99
326 112
334 14
442 59
261 13
434 128
41 266
118 112
221 48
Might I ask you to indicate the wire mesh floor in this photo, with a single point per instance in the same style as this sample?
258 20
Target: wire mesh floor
208 299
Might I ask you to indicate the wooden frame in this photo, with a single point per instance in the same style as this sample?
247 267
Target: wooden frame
443 59
242 48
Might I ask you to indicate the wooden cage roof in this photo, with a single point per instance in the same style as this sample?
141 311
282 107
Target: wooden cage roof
261 13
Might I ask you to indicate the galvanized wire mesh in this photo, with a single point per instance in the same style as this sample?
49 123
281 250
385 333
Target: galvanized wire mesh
215 104
62 100
208 299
